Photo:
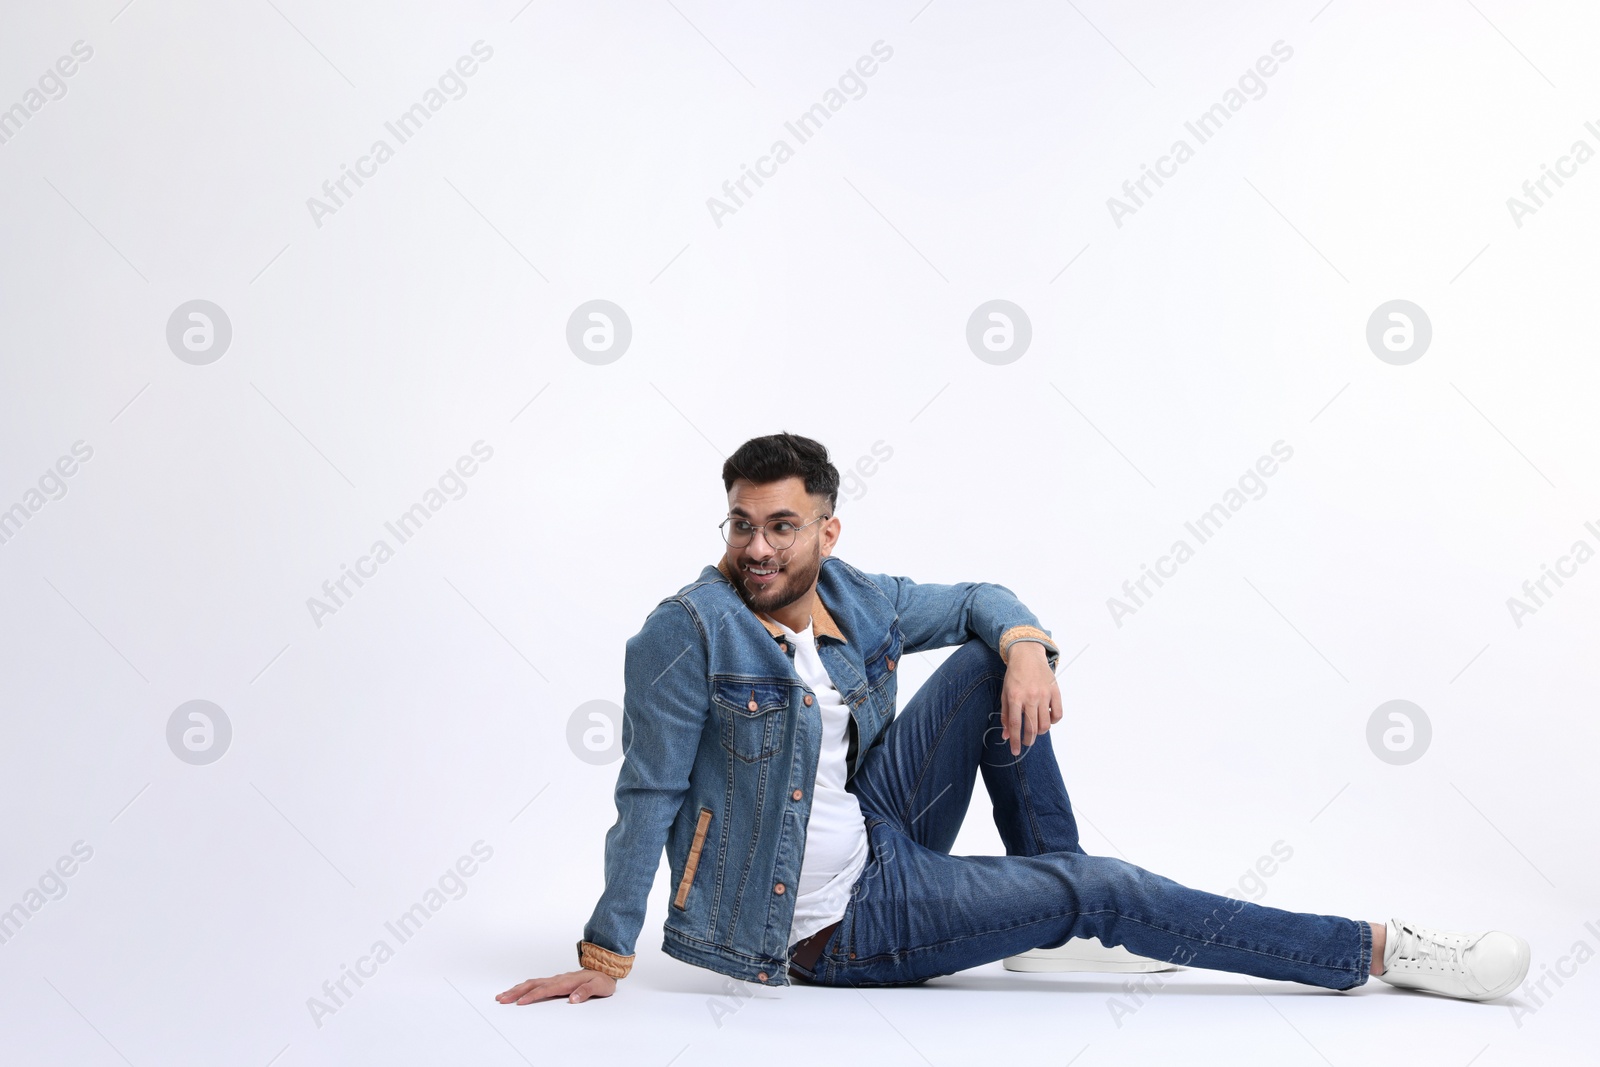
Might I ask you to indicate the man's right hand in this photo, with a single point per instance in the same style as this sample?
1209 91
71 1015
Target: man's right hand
576 986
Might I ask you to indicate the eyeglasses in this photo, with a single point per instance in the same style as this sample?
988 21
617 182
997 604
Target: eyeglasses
780 534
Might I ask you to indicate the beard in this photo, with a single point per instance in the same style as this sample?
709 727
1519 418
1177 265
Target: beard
798 574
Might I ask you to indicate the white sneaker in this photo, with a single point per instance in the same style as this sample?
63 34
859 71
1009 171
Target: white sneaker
1480 967
1085 954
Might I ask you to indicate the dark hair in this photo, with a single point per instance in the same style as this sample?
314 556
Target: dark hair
777 456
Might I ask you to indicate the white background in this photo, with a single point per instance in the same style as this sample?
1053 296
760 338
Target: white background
429 312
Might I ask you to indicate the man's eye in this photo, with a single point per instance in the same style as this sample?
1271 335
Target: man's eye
782 527
743 527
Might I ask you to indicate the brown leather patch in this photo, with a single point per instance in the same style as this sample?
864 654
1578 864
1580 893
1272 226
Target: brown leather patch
692 864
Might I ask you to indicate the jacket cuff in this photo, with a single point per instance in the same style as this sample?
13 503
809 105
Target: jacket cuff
594 958
1014 634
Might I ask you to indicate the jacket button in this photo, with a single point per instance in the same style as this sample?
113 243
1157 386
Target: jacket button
808 700
797 794
761 976
753 706
778 889
852 955
889 664
783 646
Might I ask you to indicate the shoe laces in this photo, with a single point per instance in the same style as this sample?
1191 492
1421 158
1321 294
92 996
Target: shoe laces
1432 950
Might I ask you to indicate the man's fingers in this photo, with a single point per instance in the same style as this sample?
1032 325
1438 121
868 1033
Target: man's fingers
1024 716
538 989
578 986
548 991
519 989
544 989
1048 713
594 987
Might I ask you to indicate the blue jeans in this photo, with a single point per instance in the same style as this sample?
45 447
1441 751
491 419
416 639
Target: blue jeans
918 912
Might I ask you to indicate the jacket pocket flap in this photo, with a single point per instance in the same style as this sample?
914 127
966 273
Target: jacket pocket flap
738 694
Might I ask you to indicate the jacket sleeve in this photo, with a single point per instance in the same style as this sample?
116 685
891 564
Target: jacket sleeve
664 709
938 616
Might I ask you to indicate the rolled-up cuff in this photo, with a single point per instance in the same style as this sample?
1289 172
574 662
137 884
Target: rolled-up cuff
592 957
1026 633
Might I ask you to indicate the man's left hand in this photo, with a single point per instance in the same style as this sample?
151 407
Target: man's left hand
1030 700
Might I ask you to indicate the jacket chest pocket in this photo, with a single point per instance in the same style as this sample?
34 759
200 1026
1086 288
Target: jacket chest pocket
752 716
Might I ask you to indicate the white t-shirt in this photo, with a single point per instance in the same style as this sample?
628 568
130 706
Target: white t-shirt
836 833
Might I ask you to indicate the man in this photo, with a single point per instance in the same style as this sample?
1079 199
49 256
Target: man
808 827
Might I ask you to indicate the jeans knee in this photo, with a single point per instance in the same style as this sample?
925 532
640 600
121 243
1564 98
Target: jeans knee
975 655
1109 878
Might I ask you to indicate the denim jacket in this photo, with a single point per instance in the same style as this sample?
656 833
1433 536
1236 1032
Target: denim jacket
720 745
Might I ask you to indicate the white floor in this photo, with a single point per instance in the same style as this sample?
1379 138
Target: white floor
434 1005
992 1015
204 927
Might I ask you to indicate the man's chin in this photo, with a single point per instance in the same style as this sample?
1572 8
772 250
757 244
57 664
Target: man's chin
766 599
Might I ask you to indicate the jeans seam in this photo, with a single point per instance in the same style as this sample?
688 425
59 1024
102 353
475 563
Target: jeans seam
927 763
1027 805
1101 911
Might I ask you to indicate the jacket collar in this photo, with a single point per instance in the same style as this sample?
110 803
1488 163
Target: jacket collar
821 621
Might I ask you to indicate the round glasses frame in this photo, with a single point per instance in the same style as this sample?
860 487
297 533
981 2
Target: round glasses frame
735 540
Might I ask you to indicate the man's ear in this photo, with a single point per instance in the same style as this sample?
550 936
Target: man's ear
830 527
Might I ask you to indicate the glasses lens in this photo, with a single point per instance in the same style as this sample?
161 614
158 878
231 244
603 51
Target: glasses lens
778 535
